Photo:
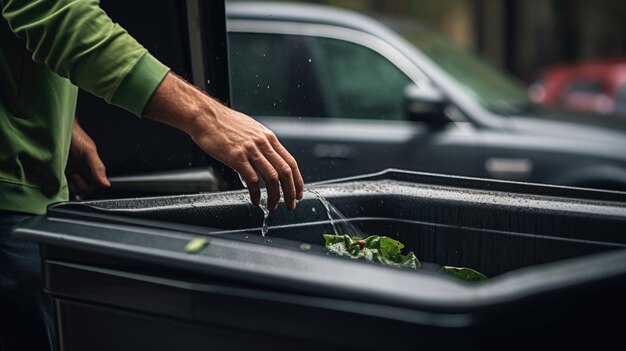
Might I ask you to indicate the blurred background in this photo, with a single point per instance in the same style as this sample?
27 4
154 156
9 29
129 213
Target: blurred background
570 53
531 90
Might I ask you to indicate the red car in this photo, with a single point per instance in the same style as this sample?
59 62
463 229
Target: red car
594 87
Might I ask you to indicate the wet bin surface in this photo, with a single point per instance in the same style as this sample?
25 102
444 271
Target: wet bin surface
555 258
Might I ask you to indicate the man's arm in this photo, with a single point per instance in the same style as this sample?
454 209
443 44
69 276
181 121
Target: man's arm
77 40
231 137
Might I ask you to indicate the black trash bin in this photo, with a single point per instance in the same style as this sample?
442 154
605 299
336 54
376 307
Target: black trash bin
122 280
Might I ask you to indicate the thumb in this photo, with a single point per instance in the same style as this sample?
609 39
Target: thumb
97 168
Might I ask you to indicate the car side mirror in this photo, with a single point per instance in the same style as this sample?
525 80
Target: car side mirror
425 104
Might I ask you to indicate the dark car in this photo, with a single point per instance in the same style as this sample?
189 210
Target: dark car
348 95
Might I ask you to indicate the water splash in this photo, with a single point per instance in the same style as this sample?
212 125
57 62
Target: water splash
266 220
327 205
331 211
267 217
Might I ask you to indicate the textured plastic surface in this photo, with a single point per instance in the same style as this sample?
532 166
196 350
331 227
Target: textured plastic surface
555 257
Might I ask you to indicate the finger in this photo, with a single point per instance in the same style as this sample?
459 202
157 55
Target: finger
285 175
97 168
249 175
295 170
270 175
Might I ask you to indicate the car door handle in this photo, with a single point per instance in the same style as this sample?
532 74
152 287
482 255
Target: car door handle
186 181
333 151
509 168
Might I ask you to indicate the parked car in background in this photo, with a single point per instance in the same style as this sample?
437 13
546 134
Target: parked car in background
595 87
348 94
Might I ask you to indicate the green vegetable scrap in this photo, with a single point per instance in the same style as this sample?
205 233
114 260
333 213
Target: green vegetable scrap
387 251
196 245
374 248
467 274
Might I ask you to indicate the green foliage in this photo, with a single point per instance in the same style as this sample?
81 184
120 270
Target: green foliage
196 245
374 248
388 251
467 274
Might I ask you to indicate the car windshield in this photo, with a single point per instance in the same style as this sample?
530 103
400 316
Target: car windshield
492 88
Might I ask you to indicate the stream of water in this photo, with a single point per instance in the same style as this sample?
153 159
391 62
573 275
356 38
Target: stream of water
266 218
341 225
263 206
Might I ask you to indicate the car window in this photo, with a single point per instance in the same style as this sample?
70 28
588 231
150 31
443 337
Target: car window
358 82
271 76
487 85
293 75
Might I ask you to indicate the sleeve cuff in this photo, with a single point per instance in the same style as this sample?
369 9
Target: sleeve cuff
140 84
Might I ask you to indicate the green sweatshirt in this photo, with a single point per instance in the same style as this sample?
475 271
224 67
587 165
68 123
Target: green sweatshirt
49 49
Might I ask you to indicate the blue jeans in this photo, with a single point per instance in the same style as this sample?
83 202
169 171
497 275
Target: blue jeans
26 317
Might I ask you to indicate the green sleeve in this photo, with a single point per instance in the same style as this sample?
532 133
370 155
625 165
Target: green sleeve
77 40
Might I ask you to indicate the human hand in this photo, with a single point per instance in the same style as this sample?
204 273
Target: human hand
85 171
232 138
252 150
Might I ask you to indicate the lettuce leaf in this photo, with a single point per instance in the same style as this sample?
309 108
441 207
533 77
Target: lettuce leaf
388 251
196 245
467 274
374 248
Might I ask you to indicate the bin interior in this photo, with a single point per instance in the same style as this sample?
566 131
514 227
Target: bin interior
492 231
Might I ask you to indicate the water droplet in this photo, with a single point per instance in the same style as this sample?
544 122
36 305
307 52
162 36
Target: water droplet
268 87
310 60
208 81
313 209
